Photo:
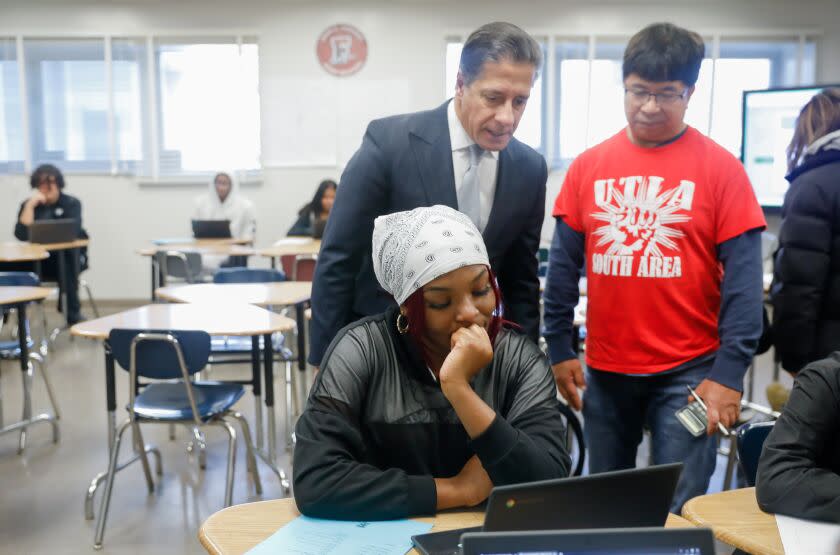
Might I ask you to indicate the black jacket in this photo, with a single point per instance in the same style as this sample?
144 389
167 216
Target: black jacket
799 469
806 284
377 428
67 207
404 162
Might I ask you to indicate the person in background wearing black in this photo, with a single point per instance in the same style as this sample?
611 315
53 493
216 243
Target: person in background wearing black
799 469
49 202
806 284
313 216
428 405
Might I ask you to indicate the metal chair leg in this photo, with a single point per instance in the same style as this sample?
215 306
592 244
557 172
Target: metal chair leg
198 442
84 284
731 460
231 466
42 364
172 432
27 404
249 451
140 450
109 486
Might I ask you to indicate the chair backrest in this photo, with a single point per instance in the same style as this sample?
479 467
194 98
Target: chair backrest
573 425
303 268
183 265
248 275
750 440
19 279
157 351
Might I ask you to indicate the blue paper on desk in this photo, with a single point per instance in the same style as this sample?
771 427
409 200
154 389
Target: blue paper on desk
315 536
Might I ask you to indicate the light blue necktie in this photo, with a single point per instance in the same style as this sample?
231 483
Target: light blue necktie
469 194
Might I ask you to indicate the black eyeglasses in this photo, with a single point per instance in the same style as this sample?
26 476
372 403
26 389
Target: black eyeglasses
641 96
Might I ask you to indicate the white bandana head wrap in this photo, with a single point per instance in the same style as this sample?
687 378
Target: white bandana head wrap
412 248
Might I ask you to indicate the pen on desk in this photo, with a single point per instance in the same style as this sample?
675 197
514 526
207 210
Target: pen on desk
700 402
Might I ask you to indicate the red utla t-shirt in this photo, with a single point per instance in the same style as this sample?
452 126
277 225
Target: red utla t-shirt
652 218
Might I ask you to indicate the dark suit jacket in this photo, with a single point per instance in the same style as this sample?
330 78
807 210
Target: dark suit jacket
405 161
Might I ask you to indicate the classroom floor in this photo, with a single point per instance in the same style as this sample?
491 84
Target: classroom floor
42 491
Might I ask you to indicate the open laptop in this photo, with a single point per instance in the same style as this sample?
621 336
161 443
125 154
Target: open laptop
622 499
211 229
621 541
54 231
318 228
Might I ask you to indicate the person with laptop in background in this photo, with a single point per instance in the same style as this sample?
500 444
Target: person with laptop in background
670 230
312 217
223 201
428 405
49 202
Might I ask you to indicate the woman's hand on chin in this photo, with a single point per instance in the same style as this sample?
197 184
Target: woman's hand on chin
470 352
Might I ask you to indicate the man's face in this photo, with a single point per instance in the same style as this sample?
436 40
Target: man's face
654 120
491 106
223 186
48 187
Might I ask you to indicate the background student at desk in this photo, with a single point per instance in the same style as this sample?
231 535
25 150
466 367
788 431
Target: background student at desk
312 217
49 202
223 201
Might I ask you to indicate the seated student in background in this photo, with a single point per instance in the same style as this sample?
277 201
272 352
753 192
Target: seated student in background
49 202
314 214
223 202
806 314
799 469
429 405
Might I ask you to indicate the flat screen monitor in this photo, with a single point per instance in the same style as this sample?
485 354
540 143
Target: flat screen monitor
769 117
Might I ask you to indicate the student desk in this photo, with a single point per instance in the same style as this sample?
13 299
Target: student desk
226 247
281 294
236 320
291 246
23 252
736 520
237 529
18 298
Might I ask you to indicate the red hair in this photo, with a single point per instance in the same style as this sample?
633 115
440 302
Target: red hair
416 307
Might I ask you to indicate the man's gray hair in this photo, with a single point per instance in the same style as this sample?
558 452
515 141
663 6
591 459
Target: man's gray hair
498 42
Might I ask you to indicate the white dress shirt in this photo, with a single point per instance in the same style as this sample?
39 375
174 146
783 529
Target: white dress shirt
488 165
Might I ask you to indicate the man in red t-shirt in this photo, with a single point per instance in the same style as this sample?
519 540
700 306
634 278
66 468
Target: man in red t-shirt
669 229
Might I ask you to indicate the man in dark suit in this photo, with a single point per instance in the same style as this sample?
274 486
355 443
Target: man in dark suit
461 154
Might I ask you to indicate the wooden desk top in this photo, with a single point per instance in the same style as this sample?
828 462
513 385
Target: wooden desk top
233 319
735 519
201 246
292 245
78 243
282 293
237 529
21 252
13 295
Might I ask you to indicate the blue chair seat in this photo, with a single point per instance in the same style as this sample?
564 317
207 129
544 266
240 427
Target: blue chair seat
169 401
11 349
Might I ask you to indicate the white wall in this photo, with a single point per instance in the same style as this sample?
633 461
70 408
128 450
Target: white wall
406 49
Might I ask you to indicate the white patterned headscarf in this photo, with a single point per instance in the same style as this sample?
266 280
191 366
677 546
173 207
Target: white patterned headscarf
412 248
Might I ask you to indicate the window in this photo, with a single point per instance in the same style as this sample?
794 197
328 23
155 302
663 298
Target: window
208 106
530 129
67 98
589 92
11 123
129 88
139 106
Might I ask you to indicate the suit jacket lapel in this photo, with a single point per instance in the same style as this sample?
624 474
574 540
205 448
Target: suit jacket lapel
433 152
504 198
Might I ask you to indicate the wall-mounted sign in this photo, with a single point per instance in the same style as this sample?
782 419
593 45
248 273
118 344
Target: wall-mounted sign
342 50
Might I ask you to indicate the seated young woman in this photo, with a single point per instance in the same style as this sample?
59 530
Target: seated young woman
429 405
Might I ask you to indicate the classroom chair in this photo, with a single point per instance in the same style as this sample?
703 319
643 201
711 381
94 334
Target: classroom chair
185 266
750 440
10 350
574 436
248 275
171 358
